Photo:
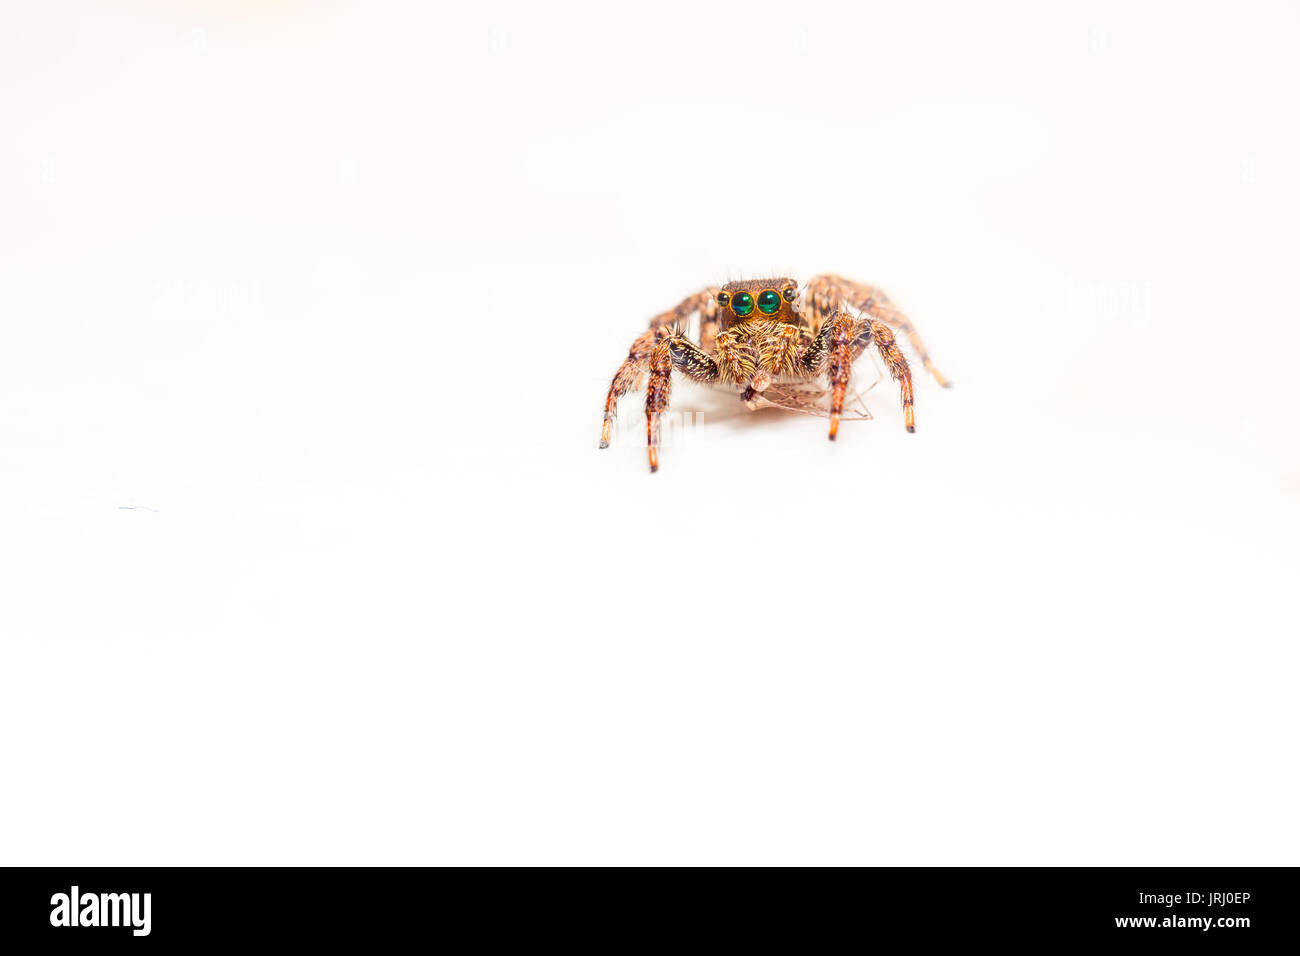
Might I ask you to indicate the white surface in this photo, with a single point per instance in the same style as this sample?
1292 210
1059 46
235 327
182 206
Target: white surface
336 293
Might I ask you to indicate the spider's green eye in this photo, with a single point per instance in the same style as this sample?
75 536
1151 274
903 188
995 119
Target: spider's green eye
768 302
742 303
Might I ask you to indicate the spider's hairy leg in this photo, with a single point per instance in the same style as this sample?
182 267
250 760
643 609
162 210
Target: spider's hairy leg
633 368
881 334
828 292
831 352
625 379
841 339
657 391
674 351
841 333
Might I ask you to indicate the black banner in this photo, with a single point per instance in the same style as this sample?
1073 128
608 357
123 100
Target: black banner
97 908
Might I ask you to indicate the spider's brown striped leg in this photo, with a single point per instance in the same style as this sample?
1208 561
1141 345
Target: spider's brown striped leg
632 370
840 341
673 352
627 378
657 391
828 292
659 351
883 337
832 352
839 363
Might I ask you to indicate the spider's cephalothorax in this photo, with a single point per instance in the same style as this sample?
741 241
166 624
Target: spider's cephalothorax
756 332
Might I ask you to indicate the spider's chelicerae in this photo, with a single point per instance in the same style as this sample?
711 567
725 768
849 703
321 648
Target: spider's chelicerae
758 332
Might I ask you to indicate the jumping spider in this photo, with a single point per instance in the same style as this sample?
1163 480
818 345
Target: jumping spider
757 332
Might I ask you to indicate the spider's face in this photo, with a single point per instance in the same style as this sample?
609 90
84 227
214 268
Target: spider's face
758 299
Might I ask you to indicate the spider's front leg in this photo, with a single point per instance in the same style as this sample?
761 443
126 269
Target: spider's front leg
841 339
829 292
674 352
660 351
627 377
631 372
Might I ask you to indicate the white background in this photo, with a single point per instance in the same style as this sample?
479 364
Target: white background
309 555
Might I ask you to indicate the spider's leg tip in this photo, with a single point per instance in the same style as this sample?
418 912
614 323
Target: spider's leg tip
604 443
653 469
912 429
947 384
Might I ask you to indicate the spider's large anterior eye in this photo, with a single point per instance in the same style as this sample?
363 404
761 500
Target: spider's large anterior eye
768 302
742 303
